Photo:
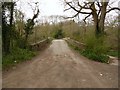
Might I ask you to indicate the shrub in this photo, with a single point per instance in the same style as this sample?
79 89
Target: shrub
96 49
58 34
17 55
94 56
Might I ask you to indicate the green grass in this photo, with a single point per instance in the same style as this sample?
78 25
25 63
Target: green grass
16 56
94 56
94 51
113 53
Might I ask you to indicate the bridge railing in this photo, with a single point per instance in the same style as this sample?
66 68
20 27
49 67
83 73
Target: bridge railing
39 45
75 43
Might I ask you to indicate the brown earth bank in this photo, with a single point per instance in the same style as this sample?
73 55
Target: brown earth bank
60 67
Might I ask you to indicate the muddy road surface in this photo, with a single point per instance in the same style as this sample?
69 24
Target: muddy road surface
60 67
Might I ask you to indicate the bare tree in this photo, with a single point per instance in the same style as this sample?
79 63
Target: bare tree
30 25
97 10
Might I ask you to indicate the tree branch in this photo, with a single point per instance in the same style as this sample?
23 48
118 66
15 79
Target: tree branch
113 9
85 12
86 17
72 16
68 3
98 4
79 11
84 7
67 9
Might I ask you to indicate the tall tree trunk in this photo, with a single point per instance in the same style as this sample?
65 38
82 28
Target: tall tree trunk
96 20
10 43
25 42
102 17
6 29
96 25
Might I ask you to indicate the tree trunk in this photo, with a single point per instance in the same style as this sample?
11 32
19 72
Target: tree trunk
25 41
10 43
102 17
5 40
6 29
96 21
99 22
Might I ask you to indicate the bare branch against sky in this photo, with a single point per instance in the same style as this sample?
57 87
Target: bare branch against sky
48 8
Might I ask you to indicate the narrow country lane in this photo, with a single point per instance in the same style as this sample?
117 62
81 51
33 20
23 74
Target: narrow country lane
60 67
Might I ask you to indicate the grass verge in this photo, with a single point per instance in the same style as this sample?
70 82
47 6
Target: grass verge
113 53
16 56
96 53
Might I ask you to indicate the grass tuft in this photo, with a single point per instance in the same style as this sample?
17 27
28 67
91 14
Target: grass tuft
16 56
95 49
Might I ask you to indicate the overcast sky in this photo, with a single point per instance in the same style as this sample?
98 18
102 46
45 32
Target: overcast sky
48 7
